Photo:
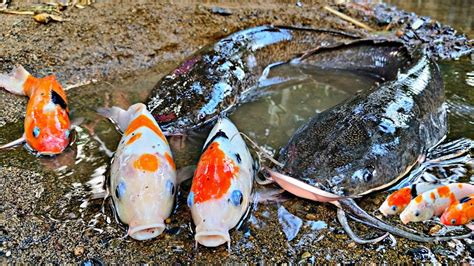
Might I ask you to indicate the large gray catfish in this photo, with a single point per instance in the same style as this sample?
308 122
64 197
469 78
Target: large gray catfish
371 140
220 76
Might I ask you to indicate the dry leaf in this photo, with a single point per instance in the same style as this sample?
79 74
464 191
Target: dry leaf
46 18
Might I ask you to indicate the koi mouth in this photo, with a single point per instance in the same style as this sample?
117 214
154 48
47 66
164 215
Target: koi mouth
145 232
212 238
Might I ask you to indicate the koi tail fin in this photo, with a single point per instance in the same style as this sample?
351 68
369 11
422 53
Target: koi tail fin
15 81
121 118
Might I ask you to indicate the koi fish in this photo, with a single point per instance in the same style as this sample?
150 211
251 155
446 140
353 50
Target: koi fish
398 200
434 202
459 213
143 173
47 125
222 184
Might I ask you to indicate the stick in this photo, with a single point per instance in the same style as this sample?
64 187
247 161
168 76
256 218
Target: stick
6 11
347 18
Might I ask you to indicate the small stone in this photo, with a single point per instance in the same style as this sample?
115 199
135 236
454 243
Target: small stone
221 11
78 251
352 245
310 216
168 221
435 229
399 33
306 255
8 253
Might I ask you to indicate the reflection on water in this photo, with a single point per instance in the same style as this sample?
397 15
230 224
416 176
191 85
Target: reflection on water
456 13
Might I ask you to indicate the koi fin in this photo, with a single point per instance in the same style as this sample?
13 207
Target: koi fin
13 143
121 118
301 189
15 80
341 216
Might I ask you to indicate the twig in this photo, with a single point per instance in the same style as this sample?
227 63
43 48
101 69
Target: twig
347 18
6 11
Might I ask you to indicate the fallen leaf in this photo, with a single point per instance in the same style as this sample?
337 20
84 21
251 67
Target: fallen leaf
46 18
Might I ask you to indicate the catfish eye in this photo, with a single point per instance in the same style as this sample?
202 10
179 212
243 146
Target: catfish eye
367 176
417 213
394 208
236 197
36 132
453 221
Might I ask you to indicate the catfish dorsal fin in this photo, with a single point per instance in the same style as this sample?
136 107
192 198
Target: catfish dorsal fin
121 118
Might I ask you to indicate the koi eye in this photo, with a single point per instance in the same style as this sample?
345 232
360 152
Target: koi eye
394 208
453 221
66 133
236 197
170 187
190 199
417 213
120 190
36 132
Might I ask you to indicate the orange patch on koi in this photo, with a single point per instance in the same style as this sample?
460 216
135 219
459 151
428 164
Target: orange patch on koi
401 197
144 121
170 160
134 138
459 185
147 162
418 199
432 196
444 191
213 174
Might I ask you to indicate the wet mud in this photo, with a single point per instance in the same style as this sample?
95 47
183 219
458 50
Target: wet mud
123 50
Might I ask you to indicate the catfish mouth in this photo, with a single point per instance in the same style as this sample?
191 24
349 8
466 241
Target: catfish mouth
212 238
145 232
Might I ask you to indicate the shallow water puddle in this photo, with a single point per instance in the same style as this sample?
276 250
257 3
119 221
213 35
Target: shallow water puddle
64 193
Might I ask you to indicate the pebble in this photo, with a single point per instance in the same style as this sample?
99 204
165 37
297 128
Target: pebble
435 229
168 221
78 251
306 255
310 216
8 253
352 245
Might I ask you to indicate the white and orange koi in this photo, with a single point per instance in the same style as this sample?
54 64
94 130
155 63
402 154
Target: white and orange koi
143 173
459 213
47 125
398 200
222 185
434 202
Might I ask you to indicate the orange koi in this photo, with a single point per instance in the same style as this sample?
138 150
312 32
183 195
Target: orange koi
459 213
47 125
434 202
222 184
143 174
398 200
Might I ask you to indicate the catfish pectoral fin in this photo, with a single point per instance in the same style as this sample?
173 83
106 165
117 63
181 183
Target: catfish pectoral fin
301 189
341 216
350 206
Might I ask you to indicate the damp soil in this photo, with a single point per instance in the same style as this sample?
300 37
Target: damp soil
121 51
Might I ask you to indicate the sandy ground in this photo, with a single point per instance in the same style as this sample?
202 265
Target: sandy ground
106 41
